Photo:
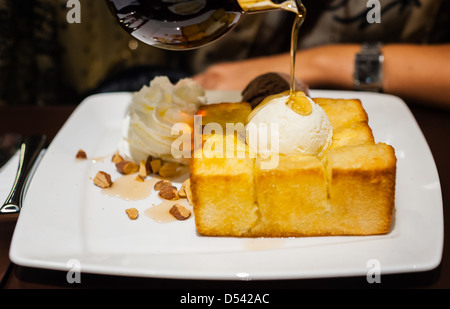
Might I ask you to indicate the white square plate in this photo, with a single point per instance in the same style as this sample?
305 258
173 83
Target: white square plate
66 218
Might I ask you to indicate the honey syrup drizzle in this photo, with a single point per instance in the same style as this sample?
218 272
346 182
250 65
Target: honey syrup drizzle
297 101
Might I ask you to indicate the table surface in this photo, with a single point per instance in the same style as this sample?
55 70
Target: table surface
435 125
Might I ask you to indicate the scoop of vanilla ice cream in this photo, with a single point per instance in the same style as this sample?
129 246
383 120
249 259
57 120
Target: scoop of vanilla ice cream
296 134
153 111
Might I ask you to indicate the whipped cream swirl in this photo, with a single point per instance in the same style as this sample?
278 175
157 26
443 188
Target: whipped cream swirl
154 110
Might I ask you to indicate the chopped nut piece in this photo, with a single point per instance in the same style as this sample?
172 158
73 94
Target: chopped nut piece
148 165
81 154
132 213
161 184
169 193
155 165
142 169
182 192
187 189
184 188
140 178
116 158
180 212
103 180
127 167
168 170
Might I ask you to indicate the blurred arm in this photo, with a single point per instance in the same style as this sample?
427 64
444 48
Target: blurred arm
414 72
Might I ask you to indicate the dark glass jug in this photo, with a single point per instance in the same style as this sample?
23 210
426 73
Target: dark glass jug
187 24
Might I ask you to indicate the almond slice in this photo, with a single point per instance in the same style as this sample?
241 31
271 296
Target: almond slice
132 213
127 167
180 212
148 165
168 170
116 158
169 193
139 178
155 165
161 184
142 169
81 154
187 189
182 192
103 180
184 188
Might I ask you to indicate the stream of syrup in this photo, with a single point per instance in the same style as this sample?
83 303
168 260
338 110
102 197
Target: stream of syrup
297 101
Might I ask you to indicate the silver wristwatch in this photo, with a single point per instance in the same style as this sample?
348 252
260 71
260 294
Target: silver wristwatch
368 75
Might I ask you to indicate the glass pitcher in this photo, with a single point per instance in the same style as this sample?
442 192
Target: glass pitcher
188 24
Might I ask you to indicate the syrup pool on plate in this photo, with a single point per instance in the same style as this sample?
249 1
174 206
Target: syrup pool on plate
160 213
128 188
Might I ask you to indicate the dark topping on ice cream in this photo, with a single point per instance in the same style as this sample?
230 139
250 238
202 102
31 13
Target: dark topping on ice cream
269 84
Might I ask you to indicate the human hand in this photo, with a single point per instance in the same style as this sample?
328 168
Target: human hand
327 66
236 75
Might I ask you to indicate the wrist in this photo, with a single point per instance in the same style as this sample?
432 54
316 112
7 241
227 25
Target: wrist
328 66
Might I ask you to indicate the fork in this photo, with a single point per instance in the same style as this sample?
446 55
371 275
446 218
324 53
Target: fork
29 151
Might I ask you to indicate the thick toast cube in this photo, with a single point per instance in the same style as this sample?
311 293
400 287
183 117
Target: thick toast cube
223 193
223 113
362 188
292 198
343 112
356 134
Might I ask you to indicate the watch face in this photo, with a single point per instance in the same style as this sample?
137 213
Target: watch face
368 70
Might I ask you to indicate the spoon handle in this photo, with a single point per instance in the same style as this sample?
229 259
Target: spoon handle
29 152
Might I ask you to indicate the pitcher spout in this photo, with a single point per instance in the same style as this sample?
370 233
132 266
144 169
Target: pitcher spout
268 5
